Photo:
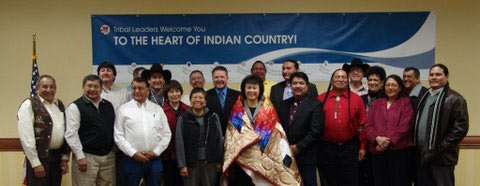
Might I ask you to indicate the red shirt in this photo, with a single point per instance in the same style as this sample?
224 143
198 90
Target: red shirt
394 123
338 128
169 153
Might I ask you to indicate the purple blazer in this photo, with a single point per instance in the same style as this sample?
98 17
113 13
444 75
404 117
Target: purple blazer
395 123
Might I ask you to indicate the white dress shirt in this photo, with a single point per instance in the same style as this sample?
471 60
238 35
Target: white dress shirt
116 95
141 128
73 125
26 130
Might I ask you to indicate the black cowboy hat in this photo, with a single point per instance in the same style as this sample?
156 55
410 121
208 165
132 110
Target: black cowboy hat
356 62
157 68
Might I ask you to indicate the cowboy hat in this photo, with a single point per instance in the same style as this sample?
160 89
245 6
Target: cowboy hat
356 62
157 68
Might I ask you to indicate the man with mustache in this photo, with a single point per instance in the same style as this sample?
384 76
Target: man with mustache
283 90
302 119
41 126
142 133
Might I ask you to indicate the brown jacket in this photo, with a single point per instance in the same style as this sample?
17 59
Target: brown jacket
446 127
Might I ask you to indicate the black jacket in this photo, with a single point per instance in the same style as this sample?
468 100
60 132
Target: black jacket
306 129
213 105
276 93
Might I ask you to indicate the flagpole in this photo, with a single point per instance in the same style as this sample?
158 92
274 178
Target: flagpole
35 73
34 44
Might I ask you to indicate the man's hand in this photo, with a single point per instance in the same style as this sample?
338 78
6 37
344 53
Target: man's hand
361 155
294 149
82 165
140 158
64 166
39 171
183 171
149 155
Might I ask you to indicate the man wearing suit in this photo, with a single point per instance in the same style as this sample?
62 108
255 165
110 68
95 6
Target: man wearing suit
302 119
283 90
220 99
415 89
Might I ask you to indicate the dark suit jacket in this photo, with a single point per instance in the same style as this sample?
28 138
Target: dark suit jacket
415 100
213 104
306 129
276 93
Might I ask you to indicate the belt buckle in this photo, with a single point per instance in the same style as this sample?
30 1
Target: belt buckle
339 144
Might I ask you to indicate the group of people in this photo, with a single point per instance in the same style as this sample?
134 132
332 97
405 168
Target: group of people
391 131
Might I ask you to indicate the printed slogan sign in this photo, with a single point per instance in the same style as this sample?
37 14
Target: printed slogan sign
321 42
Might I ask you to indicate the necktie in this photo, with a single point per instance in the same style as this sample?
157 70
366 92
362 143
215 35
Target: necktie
221 97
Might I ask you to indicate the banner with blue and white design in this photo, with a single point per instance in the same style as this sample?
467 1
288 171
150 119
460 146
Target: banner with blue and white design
322 42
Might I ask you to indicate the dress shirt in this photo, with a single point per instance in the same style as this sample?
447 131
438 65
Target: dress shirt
339 129
26 130
267 87
116 95
141 127
362 91
219 91
287 93
73 124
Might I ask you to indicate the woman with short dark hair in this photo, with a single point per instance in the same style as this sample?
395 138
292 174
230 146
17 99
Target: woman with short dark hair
389 131
173 109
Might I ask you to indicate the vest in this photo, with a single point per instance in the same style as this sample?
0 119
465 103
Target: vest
42 126
191 137
96 126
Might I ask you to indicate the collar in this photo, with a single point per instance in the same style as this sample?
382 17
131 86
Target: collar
190 111
154 93
224 90
144 104
86 99
416 90
55 101
266 82
434 92
332 94
109 89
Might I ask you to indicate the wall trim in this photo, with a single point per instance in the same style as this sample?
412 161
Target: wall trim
13 144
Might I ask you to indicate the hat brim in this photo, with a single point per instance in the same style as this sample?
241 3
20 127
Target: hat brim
348 67
167 75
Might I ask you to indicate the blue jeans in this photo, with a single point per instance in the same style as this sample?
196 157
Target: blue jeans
150 172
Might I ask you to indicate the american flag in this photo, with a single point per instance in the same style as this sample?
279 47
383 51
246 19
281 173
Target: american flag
35 74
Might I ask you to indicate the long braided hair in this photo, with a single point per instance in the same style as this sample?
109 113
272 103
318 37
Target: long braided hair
348 89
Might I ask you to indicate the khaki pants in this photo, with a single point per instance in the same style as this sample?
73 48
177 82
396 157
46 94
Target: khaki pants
100 171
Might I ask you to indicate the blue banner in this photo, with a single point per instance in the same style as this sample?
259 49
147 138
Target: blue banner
320 41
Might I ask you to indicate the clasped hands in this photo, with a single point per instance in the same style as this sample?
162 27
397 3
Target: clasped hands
383 143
